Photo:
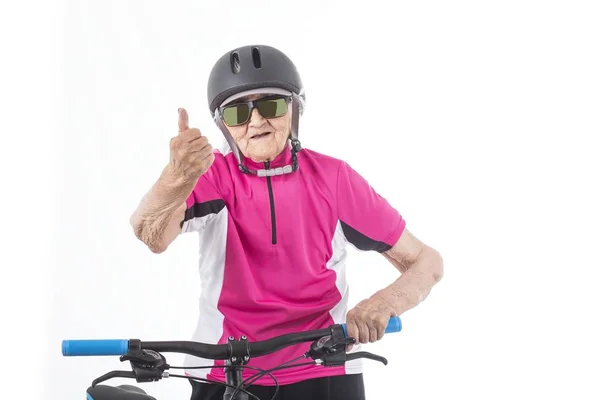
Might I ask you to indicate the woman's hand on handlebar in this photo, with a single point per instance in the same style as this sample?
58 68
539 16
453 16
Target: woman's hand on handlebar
367 321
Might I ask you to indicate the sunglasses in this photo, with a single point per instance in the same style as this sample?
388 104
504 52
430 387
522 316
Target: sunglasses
269 107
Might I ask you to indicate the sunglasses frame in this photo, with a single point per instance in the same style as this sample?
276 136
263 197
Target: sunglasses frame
252 104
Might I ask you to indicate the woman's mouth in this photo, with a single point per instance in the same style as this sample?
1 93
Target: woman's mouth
261 135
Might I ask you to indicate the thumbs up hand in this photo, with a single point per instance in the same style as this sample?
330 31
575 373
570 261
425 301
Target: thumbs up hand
191 153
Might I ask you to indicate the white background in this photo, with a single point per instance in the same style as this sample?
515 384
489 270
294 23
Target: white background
477 120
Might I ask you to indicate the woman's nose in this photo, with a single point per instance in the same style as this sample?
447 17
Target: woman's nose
256 119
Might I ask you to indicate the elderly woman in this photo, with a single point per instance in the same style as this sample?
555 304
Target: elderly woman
274 220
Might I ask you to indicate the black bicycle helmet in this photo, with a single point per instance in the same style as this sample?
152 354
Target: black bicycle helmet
251 67
255 67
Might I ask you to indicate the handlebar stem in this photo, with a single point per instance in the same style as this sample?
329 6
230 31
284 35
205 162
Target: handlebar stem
239 350
239 355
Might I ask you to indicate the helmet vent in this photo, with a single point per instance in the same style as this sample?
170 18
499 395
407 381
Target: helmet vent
235 62
256 58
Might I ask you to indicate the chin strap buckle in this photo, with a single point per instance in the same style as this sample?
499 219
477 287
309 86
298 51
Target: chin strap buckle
296 147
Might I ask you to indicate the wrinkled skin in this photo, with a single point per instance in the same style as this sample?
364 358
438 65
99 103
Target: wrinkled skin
266 148
156 220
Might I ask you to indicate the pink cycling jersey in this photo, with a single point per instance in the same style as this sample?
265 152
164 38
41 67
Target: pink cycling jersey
273 254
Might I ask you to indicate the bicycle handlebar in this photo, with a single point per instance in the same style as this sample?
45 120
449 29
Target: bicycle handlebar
118 347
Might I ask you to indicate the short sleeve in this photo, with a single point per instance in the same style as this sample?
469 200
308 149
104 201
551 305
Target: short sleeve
368 221
203 204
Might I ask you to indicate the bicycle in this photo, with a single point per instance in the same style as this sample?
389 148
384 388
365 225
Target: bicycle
148 364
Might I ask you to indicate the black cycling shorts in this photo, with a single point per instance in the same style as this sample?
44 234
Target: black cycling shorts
343 387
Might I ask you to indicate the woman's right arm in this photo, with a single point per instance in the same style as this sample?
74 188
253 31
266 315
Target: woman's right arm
157 219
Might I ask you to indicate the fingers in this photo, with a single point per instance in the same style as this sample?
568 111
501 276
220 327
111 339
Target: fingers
351 331
380 325
192 152
184 121
209 159
203 163
199 144
369 332
192 134
190 141
360 319
376 326
365 325
373 334
357 328
202 154
363 333
185 138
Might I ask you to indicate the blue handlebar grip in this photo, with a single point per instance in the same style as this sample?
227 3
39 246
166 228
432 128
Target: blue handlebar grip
107 347
394 325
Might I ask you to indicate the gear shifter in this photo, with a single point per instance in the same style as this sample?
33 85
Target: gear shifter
147 366
331 350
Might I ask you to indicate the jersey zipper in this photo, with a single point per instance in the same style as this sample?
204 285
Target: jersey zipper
272 202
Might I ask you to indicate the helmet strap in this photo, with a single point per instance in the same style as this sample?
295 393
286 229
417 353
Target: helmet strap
296 147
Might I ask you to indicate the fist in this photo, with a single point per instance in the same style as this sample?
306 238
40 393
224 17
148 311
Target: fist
367 321
191 154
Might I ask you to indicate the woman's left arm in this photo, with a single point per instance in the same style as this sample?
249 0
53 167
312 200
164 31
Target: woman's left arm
421 268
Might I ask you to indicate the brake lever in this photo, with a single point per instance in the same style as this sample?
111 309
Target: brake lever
113 374
365 354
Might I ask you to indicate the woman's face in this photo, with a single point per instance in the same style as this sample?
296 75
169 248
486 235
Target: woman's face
261 139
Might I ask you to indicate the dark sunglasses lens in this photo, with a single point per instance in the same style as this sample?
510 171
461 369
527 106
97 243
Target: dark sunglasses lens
272 108
236 115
